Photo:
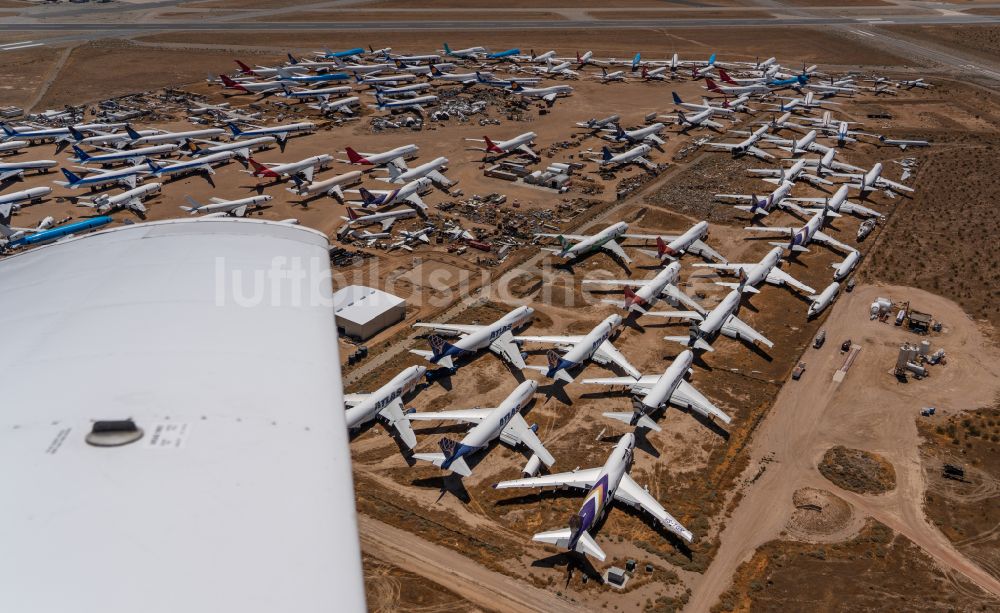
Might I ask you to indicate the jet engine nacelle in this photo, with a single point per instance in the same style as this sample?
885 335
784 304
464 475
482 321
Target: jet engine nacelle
533 466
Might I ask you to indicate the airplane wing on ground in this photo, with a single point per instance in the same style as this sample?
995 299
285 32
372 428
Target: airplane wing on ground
883 183
779 277
571 237
550 340
733 197
651 237
416 201
616 249
518 431
644 163
617 282
471 416
702 249
643 383
607 352
526 149
136 205
582 479
685 394
826 239
393 415
550 98
772 229
7 174
504 347
239 211
459 328
562 536
736 328
630 493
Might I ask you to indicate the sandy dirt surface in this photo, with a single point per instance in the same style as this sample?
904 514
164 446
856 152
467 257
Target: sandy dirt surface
344 15
978 41
869 410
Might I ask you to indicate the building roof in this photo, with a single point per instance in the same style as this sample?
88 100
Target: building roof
361 304
239 495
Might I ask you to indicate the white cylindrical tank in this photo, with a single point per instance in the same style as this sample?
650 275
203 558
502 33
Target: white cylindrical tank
925 347
884 304
916 369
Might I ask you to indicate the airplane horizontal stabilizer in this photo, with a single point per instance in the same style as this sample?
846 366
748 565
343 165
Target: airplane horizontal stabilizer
746 288
437 459
643 421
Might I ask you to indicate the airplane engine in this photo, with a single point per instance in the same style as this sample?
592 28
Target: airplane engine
532 467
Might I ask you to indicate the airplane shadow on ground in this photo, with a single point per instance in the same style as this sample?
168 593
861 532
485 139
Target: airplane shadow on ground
445 484
556 389
572 560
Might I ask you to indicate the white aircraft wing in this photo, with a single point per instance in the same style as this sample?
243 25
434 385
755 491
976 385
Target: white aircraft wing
387 223
472 416
772 229
779 277
685 394
616 249
644 163
550 340
883 183
645 382
393 415
136 205
583 479
239 211
308 173
11 173
518 430
550 98
700 248
571 237
712 124
459 328
526 149
826 239
733 196
415 200
352 399
504 347
617 282
736 328
655 139
607 352
858 209
650 237
630 493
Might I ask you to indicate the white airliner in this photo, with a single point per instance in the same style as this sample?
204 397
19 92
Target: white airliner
635 155
497 337
811 232
699 119
747 145
249 86
396 156
200 164
594 346
674 246
503 422
521 143
642 294
416 103
122 156
9 170
646 134
608 483
753 274
797 146
658 391
386 403
242 148
306 167
15 199
763 206
781 174
838 203
385 219
822 300
873 180
170 137
431 170
730 90
128 200
598 124
281 132
332 187
548 94
605 239
408 194
234 208
322 93
720 320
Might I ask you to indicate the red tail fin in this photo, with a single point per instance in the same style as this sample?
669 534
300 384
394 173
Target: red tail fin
243 67
712 85
631 298
258 168
354 157
352 214
491 146
227 81
725 76
662 248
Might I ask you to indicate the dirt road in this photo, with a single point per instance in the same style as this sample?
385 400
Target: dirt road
869 410
485 588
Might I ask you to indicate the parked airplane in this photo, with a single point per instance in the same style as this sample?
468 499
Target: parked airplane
10 240
408 194
903 144
642 294
430 170
548 94
763 206
386 219
102 138
798 146
735 90
14 200
285 76
645 134
220 206
822 300
521 143
844 268
128 200
910 84
403 90
702 118
838 203
125 176
873 180
386 403
659 391
268 71
747 145
407 238
599 124
201 164
281 132
503 55
720 320
32 134
469 53
725 109
10 170
635 155
250 87
393 79
116 156
691 241
465 78
332 187
397 156
794 173
416 103
605 239
594 346
323 93
503 422
305 168
170 137
808 233
604 485
753 274
242 148
497 337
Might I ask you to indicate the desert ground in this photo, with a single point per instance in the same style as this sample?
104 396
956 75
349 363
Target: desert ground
772 532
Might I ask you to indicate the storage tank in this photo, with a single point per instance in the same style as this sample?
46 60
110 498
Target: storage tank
925 348
902 358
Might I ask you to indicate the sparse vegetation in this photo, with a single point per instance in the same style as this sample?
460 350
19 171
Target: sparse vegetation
857 470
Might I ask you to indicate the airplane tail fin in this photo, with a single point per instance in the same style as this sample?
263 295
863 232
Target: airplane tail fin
257 166
77 136
70 175
352 214
353 156
7 130
292 60
447 49
635 61
606 155
452 460
367 197
440 349
677 99
132 133
153 166
712 85
232 128
227 81
725 77
565 244
663 249
491 146
243 67
516 87
81 155
194 208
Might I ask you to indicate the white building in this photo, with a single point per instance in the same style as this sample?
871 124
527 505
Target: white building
238 494
362 312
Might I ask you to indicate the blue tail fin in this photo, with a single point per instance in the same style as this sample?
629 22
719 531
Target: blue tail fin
153 166
292 60
367 197
447 49
636 60
132 133
70 176
677 99
606 153
711 60
77 136
450 450
81 155
232 128
7 130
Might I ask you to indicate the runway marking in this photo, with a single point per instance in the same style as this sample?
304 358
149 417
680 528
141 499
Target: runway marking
21 45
